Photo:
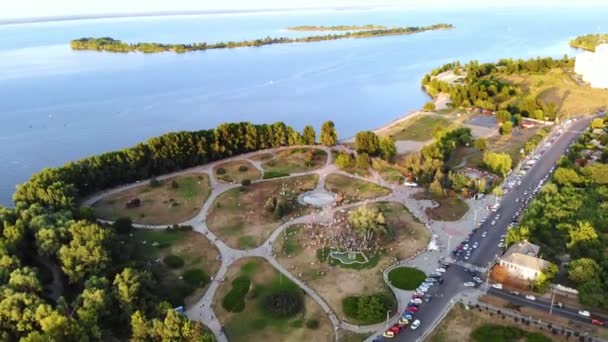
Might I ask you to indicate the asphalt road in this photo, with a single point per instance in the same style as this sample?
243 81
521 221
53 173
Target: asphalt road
456 275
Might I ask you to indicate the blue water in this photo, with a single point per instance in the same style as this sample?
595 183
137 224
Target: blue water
58 105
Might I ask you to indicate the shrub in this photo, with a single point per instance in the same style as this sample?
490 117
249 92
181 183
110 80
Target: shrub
221 171
344 160
122 225
312 323
275 174
174 184
234 301
283 304
173 261
243 168
298 323
363 161
196 277
429 107
246 182
499 333
368 309
406 278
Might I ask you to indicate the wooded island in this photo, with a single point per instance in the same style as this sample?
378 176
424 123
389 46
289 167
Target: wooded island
113 45
337 28
589 41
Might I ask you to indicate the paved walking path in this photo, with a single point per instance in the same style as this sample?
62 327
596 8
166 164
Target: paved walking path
443 232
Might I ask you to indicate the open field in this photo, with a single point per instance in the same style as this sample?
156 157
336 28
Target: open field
162 204
194 249
420 128
459 323
254 322
353 189
298 253
235 171
262 156
296 160
449 209
558 87
349 336
239 217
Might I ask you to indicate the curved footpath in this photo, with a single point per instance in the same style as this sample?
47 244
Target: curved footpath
426 261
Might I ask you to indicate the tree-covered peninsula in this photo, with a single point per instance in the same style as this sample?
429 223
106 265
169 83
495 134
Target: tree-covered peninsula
589 41
337 28
113 45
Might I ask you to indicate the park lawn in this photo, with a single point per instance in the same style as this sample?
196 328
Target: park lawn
558 87
420 128
194 249
391 173
254 323
238 215
354 190
159 205
294 160
451 208
459 324
296 252
261 156
349 336
512 144
235 171
406 278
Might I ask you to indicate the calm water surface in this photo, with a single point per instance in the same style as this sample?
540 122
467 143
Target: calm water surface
58 105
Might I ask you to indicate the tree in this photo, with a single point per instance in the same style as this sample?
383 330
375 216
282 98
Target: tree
597 123
309 135
123 225
86 254
329 135
517 234
25 279
517 120
131 288
344 161
481 143
436 189
367 222
566 176
388 149
583 270
367 142
498 163
506 128
363 161
503 116
429 107
582 232
293 137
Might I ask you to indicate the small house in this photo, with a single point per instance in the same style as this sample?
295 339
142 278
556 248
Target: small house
521 261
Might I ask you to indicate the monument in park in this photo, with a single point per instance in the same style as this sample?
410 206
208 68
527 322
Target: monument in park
593 66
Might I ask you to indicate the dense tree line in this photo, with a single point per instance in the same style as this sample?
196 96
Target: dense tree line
63 277
113 45
589 41
483 87
568 220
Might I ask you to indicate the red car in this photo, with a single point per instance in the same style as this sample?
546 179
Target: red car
597 322
396 328
412 309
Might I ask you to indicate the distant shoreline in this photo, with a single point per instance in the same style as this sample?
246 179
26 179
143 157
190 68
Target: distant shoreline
78 17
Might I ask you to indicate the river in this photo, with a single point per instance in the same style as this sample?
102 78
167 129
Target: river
58 105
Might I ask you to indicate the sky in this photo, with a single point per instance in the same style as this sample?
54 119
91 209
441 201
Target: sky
13 9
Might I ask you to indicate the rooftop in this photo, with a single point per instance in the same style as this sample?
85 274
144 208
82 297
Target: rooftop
524 254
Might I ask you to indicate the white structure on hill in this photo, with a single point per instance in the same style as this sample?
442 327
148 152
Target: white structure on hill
521 261
593 66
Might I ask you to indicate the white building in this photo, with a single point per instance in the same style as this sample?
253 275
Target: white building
521 261
593 66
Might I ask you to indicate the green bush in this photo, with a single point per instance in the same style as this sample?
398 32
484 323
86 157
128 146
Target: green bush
406 278
234 301
243 168
196 277
298 323
221 171
283 304
368 309
123 225
497 333
173 261
274 174
537 337
312 323
246 182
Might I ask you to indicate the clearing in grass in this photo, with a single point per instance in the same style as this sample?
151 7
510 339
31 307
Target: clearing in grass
450 208
298 248
244 217
353 189
194 256
420 128
168 201
274 308
296 160
261 156
236 171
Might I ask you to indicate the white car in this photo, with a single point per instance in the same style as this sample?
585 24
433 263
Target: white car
416 301
493 222
477 280
497 286
530 297
422 290
501 245
415 324
440 270
584 313
469 284
484 234
465 247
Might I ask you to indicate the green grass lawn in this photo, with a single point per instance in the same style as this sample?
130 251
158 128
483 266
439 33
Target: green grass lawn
235 171
420 128
295 160
353 189
450 208
406 278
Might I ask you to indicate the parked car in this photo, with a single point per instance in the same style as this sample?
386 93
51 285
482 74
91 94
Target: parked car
415 325
597 322
493 222
484 234
408 316
412 309
440 270
584 313
403 321
428 298
469 284
497 286
416 301
439 281
477 280
388 334
530 297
